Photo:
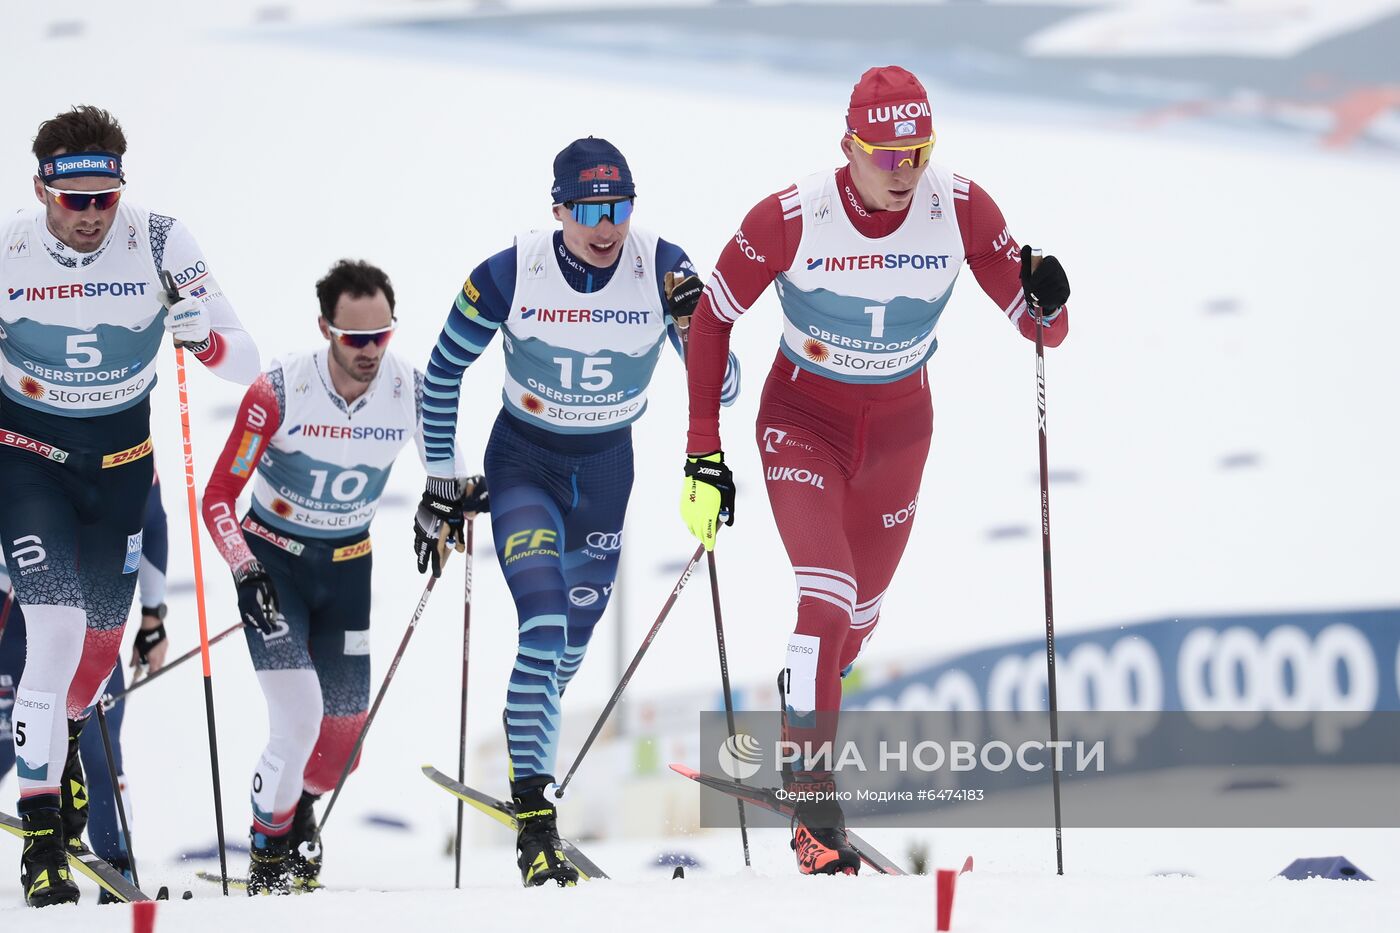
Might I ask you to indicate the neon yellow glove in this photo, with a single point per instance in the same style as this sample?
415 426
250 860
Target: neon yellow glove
707 496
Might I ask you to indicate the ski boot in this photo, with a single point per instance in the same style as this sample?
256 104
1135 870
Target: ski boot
539 853
73 787
819 826
44 872
304 847
268 865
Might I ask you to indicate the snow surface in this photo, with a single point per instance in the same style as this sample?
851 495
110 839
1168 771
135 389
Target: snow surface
1221 412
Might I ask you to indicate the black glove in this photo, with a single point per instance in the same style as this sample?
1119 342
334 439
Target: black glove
683 294
257 598
148 638
438 523
1048 286
477 498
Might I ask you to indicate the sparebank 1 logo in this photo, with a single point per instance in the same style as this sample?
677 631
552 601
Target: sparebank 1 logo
740 756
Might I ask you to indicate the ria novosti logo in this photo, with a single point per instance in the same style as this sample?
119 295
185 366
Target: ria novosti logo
740 756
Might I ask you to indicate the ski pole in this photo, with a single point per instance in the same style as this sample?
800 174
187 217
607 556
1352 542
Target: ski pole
172 295
379 697
1028 255
728 696
462 729
117 792
631 668
109 700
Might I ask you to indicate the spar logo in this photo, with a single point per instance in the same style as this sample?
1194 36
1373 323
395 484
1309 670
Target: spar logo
881 261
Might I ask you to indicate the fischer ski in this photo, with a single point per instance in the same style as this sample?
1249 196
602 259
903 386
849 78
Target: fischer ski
768 799
241 883
86 861
504 813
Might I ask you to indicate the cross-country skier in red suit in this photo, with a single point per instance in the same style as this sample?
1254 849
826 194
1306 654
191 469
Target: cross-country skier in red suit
864 258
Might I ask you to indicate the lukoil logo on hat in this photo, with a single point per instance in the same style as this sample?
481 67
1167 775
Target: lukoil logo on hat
889 103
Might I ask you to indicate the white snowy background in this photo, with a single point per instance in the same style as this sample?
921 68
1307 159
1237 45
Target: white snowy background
1223 403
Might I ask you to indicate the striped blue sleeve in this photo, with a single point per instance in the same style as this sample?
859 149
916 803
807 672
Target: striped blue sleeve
671 258
481 307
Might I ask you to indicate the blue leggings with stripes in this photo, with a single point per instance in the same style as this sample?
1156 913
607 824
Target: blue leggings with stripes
557 507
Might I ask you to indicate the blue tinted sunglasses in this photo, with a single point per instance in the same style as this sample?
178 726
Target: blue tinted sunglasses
590 213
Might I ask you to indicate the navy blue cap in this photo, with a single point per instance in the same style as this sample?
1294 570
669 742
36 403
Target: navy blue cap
589 168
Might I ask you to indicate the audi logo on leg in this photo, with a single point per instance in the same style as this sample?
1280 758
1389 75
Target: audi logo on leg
605 541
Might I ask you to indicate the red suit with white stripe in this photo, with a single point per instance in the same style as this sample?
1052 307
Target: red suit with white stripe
846 416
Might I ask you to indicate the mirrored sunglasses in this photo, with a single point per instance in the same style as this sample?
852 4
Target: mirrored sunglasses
889 158
105 199
591 213
359 339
